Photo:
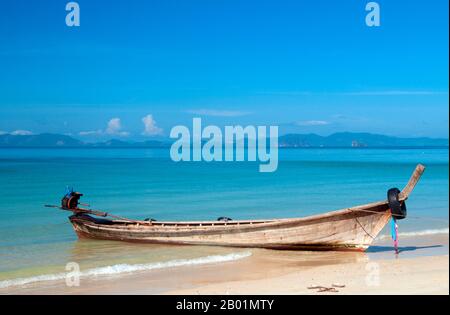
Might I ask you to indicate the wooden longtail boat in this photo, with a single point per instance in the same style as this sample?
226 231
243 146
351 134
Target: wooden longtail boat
348 229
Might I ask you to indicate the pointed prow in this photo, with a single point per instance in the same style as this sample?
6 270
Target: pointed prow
412 182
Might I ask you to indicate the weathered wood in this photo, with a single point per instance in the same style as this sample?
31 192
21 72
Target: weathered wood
412 182
347 229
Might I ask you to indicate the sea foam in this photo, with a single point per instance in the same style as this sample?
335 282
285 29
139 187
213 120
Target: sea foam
128 268
418 233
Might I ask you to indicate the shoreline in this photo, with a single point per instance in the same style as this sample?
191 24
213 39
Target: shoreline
420 268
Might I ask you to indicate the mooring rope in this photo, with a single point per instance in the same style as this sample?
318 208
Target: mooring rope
362 227
409 217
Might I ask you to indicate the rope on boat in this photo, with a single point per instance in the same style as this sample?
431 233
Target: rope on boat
122 218
394 225
409 217
94 212
362 227
394 233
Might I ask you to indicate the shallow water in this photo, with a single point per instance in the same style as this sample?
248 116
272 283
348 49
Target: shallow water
142 183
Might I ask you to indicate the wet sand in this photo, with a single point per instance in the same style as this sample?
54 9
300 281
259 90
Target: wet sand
421 267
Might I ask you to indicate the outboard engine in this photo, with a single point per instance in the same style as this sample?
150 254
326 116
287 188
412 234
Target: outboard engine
70 200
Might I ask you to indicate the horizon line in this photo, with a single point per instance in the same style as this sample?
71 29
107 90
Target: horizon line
154 138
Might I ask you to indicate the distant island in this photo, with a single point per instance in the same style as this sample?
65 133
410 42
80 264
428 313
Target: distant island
48 140
356 140
336 140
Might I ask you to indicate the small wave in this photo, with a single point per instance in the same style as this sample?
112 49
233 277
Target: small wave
418 233
127 268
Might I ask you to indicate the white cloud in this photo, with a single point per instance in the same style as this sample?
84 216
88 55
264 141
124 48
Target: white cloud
90 133
312 123
395 93
287 93
114 127
21 133
150 127
218 113
358 93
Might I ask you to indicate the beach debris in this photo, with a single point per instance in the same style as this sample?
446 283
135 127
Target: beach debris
321 288
314 287
328 290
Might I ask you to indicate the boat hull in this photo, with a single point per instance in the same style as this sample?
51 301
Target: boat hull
350 229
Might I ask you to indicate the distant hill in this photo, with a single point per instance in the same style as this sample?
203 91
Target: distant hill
349 139
63 141
114 143
341 140
41 140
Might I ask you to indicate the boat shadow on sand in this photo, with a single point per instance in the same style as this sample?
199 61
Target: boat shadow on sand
381 249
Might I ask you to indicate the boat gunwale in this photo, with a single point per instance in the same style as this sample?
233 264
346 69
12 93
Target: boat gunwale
143 226
166 225
347 237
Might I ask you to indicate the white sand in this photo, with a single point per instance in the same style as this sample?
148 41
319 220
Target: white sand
422 275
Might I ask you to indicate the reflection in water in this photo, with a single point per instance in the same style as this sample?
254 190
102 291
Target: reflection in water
95 253
311 258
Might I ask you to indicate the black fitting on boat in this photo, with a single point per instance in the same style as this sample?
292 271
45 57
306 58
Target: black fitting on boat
398 208
224 219
71 200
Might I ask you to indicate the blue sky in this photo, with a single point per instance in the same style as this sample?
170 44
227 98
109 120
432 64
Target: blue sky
305 65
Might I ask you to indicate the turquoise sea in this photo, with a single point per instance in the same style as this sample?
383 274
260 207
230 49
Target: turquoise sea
37 242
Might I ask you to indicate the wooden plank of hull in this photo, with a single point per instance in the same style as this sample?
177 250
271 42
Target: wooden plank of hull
345 229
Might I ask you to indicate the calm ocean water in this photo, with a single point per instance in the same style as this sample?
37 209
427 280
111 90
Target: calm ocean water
142 183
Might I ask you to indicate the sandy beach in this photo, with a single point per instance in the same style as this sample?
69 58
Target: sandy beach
424 275
422 267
